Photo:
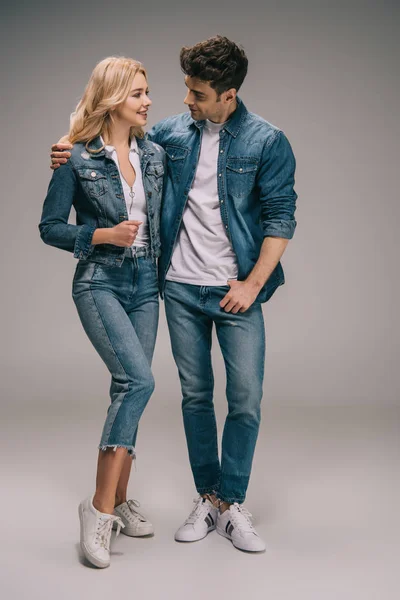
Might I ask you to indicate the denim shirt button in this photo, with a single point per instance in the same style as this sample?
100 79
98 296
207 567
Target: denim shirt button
221 151
219 174
93 174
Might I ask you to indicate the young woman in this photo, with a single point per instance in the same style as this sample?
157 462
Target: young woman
114 180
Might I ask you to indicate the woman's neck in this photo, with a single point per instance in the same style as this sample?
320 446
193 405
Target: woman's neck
119 135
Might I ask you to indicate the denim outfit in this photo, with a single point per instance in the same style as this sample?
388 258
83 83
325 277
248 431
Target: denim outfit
255 174
115 289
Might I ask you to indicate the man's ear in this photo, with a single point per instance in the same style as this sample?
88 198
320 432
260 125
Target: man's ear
230 95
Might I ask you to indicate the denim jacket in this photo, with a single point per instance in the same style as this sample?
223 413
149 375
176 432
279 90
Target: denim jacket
255 171
91 183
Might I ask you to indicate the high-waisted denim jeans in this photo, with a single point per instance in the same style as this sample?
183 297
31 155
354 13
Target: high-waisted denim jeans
191 312
118 308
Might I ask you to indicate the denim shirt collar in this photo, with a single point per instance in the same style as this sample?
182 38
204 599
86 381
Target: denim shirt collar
234 124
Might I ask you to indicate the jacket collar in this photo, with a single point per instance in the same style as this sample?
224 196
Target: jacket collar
144 147
235 122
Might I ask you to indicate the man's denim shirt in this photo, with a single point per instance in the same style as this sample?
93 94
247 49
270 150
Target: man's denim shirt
91 183
255 186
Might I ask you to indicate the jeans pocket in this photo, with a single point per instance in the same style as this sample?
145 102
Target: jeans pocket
83 276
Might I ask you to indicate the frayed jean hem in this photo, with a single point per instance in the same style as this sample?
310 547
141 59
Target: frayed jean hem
131 449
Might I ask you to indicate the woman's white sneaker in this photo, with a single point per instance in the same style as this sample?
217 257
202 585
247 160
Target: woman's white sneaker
96 530
235 524
135 524
199 523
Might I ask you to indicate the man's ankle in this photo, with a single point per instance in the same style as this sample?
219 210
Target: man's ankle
223 506
212 498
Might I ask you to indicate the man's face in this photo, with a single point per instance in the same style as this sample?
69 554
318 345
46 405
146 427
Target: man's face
203 100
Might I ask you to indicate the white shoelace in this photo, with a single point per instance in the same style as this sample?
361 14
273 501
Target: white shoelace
199 509
104 527
135 514
241 518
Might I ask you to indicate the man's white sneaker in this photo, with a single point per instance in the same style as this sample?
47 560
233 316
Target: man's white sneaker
235 524
199 523
96 533
135 523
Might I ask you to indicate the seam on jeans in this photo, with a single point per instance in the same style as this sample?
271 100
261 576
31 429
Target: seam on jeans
207 490
238 499
134 278
117 357
211 383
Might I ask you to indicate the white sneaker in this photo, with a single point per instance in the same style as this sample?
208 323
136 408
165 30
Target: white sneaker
96 533
136 524
199 523
235 524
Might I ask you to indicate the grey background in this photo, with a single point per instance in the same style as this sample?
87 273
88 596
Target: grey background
327 74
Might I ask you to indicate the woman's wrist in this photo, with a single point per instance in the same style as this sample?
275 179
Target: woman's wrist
102 235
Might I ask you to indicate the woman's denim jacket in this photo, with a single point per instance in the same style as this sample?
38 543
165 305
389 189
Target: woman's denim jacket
91 183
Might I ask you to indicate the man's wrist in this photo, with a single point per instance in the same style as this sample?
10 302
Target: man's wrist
255 285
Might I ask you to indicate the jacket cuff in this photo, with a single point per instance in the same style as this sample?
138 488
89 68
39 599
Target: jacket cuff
83 243
283 229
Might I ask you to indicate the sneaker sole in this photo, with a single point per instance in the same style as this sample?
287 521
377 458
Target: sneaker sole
146 531
228 537
93 561
197 539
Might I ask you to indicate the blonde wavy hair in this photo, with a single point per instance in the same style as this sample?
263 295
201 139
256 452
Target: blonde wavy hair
109 85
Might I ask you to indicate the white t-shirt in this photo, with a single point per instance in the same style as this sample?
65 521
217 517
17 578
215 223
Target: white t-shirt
203 254
135 198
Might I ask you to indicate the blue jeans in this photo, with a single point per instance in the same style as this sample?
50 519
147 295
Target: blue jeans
118 308
191 312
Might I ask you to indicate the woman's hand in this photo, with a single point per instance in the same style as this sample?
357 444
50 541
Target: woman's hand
124 234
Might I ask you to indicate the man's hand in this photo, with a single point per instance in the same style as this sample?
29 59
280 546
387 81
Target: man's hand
59 154
240 297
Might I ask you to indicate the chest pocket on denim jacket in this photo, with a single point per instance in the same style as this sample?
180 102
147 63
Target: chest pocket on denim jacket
240 175
93 181
176 161
155 173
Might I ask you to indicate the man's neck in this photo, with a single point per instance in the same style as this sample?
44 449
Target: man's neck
226 115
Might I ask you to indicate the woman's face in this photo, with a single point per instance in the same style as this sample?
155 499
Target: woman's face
134 110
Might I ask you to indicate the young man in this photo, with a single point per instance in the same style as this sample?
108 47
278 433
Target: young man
228 214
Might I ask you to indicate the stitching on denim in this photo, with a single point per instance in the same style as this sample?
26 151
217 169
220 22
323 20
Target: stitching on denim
208 490
116 355
238 499
211 382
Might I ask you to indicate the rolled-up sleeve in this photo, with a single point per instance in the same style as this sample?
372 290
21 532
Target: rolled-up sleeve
54 227
275 180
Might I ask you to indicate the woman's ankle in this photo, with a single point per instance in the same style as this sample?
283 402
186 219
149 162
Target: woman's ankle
101 505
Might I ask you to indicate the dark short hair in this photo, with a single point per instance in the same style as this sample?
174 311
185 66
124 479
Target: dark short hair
218 61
